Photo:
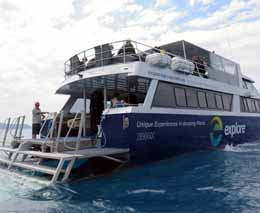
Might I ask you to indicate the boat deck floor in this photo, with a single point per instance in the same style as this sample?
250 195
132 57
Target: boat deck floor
83 153
61 139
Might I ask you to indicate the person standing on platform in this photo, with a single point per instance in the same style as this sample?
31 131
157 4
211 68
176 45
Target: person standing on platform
37 116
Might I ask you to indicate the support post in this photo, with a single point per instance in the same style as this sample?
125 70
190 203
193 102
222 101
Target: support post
59 131
53 125
184 50
80 132
68 170
105 93
6 130
58 169
85 110
21 127
124 51
16 128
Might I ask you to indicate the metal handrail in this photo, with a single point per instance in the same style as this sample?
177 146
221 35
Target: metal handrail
84 64
13 127
67 135
122 43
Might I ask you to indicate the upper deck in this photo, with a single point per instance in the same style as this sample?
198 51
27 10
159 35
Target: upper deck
119 52
117 58
127 51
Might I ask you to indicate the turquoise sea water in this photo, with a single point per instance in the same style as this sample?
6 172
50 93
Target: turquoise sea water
220 181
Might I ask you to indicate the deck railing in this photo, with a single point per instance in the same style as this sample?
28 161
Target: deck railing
107 54
124 51
12 130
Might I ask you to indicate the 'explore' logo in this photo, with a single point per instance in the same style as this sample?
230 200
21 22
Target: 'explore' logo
217 132
228 130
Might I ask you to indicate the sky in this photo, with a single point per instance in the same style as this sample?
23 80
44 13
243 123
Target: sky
37 37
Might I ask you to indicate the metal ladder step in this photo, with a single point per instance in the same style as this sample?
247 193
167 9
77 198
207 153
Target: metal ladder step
35 167
7 149
47 155
5 161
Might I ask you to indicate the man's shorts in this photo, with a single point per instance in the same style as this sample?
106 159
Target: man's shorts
36 129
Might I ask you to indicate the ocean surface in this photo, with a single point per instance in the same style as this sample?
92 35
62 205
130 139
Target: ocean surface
219 181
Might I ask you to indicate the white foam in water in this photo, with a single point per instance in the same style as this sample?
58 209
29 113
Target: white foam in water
231 148
138 191
212 188
246 147
15 179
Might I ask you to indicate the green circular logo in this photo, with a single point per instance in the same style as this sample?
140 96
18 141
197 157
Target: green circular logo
216 134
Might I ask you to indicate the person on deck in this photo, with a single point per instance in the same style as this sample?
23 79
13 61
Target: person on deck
127 49
37 116
116 102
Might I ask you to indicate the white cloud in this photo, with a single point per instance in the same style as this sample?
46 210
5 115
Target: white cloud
203 2
161 3
237 10
38 36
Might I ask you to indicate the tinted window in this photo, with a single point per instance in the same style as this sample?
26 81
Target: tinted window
245 105
244 85
202 99
257 105
249 104
78 106
253 105
192 99
211 100
227 101
164 96
219 101
180 96
242 106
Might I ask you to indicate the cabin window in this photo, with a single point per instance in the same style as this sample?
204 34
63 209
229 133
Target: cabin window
211 100
257 105
245 105
227 101
242 106
180 97
164 96
202 99
249 104
244 85
78 106
253 105
219 101
192 99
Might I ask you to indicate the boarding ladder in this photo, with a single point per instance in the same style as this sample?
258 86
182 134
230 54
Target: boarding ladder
24 157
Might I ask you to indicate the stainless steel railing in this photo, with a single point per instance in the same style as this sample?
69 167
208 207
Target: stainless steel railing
124 51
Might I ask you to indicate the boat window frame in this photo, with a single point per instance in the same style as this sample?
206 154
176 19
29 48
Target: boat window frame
200 96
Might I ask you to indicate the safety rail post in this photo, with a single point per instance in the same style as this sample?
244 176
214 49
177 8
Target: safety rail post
80 131
101 52
53 124
16 128
184 50
84 59
137 50
59 131
21 127
124 51
68 132
6 131
45 121
50 133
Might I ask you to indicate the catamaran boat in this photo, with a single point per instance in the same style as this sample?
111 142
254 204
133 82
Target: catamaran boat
171 99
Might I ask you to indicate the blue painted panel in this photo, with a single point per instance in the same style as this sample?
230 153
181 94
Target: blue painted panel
159 136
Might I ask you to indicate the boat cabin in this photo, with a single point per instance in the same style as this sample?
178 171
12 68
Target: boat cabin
125 69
